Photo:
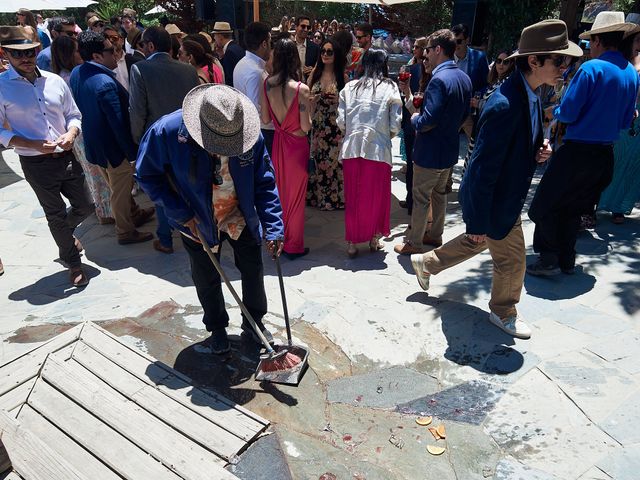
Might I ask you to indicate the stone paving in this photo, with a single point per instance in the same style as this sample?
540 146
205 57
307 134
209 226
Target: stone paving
563 405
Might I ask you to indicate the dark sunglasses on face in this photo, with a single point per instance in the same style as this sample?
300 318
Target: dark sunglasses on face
459 41
304 27
112 38
427 48
563 60
503 61
328 53
70 33
21 53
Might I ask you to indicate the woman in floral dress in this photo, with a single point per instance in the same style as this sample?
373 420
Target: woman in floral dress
325 189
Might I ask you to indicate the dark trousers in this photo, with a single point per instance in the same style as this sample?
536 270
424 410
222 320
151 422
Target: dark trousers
268 139
248 259
409 140
576 176
51 178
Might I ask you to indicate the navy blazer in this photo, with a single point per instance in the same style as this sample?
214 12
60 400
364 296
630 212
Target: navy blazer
312 54
232 56
478 69
495 185
414 85
446 105
104 104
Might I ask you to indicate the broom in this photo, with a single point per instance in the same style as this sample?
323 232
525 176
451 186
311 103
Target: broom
272 361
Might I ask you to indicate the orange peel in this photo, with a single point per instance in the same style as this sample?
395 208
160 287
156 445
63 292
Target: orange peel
435 450
424 421
434 432
441 431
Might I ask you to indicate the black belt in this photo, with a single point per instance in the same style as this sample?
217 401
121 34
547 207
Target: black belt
47 156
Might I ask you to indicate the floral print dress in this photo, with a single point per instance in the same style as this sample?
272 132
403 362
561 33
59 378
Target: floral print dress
325 188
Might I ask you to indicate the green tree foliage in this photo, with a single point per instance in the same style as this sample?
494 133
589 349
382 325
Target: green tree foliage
414 19
110 8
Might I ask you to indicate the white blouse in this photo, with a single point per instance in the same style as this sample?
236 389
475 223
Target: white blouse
369 121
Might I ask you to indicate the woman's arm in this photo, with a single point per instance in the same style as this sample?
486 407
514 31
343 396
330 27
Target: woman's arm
265 115
305 108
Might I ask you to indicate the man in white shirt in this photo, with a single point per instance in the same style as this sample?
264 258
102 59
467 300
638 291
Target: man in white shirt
45 122
307 50
250 73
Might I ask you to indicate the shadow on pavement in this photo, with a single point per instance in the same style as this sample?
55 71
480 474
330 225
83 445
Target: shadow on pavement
558 287
7 175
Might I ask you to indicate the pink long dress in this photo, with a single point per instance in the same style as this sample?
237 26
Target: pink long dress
290 156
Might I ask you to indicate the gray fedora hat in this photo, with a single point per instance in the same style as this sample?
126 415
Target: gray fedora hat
545 38
221 119
16 38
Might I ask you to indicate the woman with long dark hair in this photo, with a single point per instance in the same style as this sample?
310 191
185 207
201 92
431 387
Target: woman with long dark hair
369 113
285 102
327 79
203 59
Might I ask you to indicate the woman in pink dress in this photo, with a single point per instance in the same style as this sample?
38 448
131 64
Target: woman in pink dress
285 102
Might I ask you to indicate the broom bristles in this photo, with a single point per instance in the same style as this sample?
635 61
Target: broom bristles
285 362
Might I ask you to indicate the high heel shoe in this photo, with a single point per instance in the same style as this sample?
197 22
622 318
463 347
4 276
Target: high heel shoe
352 251
375 245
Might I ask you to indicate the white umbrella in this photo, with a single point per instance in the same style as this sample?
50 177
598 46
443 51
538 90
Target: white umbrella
74 3
14 5
369 2
154 10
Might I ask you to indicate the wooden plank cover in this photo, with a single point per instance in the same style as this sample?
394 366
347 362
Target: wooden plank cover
16 397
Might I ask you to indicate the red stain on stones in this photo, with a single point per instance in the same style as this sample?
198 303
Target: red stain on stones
327 476
378 449
347 438
359 398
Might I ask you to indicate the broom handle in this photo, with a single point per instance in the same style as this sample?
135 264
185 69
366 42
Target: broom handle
284 298
240 303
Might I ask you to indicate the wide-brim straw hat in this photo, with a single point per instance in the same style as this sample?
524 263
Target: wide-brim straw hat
607 22
221 119
16 38
632 18
222 27
545 38
173 29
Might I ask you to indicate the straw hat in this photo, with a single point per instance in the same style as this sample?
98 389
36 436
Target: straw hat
545 38
207 36
93 20
172 29
16 38
134 37
221 119
222 27
607 22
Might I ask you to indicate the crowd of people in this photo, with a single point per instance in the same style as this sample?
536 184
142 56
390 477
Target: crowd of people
232 142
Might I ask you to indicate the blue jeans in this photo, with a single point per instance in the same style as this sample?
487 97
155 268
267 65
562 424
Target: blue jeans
164 229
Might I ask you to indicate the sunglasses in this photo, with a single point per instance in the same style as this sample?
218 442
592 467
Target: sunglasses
560 61
69 33
31 53
112 38
459 41
328 53
358 37
304 27
427 48
503 61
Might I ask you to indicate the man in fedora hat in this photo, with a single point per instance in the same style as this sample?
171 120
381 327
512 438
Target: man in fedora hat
45 122
599 103
494 188
215 141
225 45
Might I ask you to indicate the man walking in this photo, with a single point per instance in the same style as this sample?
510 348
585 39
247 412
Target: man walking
435 152
493 191
231 52
103 102
45 122
599 103
215 140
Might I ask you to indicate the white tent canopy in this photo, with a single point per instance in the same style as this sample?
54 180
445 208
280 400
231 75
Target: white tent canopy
14 5
154 10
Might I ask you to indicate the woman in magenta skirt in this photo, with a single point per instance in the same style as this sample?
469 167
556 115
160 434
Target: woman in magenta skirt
369 113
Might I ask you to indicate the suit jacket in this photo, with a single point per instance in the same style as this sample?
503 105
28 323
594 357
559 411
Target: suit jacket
131 58
157 86
312 54
446 105
495 185
414 83
103 102
478 69
232 56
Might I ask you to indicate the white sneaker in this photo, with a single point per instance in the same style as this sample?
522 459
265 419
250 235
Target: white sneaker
512 325
417 262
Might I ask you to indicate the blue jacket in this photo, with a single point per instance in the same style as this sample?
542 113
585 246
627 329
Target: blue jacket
446 105
495 185
232 56
43 60
478 69
177 174
104 104
414 84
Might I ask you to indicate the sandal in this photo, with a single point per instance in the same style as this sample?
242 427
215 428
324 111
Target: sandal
352 250
375 245
77 277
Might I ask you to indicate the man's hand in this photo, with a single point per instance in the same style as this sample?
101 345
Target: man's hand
44 146
405 88
544 152
306 70
415 115
477 239
192 226
65 141
274 247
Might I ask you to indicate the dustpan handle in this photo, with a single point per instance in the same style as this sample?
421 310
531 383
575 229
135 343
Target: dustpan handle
240 303
276 257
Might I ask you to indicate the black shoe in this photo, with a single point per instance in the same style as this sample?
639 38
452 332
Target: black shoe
539 269
293 256
249 333
402 203
219 341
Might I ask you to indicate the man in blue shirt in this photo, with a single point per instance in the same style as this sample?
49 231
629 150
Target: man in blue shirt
207 166
509 146
57 26
599 103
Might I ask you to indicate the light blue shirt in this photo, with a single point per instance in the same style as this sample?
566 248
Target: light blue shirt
463 63
534 110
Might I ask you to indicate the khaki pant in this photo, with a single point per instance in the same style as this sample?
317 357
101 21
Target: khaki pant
429 186
509 265
120 180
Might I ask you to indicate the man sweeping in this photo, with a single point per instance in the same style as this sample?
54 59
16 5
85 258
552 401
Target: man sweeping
207 165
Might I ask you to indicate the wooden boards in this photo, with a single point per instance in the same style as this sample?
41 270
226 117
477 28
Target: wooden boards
108 411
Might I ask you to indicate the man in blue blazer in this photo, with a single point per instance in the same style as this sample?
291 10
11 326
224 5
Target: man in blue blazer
232 52
207 166
107 134
435 152
493 191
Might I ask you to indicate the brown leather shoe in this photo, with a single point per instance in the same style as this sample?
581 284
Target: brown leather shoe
135 237
406 249
142 216
427 240
161 248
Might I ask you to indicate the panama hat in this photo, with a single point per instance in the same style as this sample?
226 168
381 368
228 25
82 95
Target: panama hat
545 38
173 29
16 38
607 22
221 119
222 27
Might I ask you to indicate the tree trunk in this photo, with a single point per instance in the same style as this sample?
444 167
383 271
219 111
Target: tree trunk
569 13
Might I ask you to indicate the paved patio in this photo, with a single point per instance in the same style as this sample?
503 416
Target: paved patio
563 405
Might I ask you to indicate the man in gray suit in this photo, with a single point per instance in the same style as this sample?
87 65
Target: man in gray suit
157 87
